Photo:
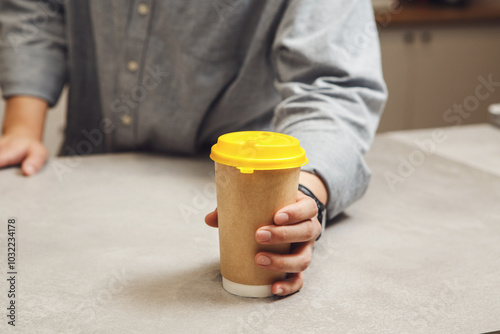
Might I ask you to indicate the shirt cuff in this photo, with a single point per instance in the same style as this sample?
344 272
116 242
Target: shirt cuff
41 76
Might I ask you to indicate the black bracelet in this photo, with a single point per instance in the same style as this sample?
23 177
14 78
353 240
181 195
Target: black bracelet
321 207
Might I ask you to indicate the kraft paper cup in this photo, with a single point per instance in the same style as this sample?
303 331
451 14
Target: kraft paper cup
249 193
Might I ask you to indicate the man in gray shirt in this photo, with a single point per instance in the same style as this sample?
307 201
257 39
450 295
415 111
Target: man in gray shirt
171 76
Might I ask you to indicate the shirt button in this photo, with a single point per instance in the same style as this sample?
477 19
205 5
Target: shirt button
132 66
143 9
126 120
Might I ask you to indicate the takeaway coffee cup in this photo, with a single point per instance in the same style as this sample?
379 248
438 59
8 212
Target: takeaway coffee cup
257 173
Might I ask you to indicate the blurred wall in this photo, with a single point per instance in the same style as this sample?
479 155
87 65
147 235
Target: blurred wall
441 65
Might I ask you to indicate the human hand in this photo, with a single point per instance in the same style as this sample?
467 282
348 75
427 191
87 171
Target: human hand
295 224
22 148
22 132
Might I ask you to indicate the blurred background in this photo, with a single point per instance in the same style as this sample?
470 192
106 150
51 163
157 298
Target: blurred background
435 53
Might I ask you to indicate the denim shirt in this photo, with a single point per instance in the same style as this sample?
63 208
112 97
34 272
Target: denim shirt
171 76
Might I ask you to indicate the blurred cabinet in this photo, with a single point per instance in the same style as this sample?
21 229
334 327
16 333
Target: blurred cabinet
431 68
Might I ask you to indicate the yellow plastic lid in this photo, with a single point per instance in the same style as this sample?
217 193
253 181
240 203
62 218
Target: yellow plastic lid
258 150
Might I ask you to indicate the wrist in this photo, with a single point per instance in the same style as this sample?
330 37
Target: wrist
25 116
20 130
315 184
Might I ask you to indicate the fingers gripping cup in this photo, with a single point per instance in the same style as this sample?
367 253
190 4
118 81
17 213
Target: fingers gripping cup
257 173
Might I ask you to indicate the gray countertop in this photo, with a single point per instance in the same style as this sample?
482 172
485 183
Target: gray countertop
117 244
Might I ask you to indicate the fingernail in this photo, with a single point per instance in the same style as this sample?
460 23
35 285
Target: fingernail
263 235
279 291
281 218
264 260
29 169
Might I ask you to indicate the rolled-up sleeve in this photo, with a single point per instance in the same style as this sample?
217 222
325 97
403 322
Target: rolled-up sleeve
326 57
32 49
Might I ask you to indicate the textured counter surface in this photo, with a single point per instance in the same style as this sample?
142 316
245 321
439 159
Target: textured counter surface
117 244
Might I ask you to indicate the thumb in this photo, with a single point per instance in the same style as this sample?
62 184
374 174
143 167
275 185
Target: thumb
35 159
211 219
